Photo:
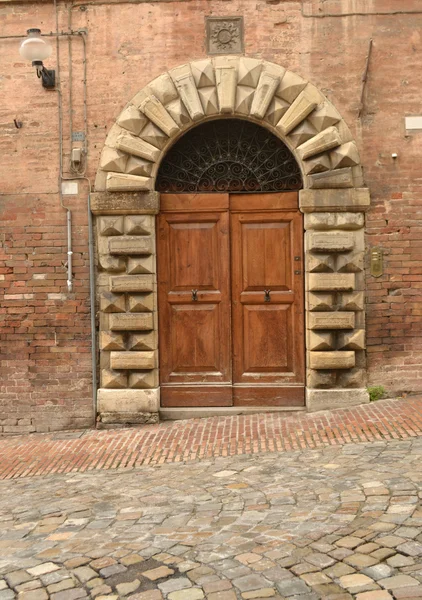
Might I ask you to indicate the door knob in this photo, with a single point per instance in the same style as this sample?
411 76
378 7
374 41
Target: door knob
195 295
267 297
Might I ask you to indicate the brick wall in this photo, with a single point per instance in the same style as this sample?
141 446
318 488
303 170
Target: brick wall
45 333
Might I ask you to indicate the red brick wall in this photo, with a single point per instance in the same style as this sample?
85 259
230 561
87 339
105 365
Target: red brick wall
45 372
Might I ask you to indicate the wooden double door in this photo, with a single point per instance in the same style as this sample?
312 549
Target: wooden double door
230 300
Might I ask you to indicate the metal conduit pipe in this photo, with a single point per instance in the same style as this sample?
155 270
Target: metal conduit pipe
92 309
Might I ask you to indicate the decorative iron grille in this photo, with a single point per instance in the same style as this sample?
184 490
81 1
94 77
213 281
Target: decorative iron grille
229 155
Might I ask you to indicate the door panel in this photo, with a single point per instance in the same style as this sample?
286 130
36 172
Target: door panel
266 255
267 312
265 348
194 307
193 247
194 338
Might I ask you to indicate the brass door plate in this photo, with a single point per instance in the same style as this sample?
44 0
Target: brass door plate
377 263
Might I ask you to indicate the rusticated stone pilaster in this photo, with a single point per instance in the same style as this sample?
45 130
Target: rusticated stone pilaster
129 391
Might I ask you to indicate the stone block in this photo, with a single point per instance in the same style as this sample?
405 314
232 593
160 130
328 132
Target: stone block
337 398
333 241
351 263
290 86
360 319
141 303
144 264
354 378
133 360
268 83
142 244
341 178
112 303
226 81
348 220
332 360
326 140
139 225
336 200
353 340
155 111
330 282
132 283
124 401
249 71
113 379
163 88
119 182
105 203
139 166
113 160
244 97
304 132
301 107
129 418
143 341
320 302
111 341
323 221
353 301
131 322
203 72
153 135
185 84
104 360
110 225
178 111
276 110
112 264
317 164
132 120
143 379
320 263
209 100
324 116
321 379
331 320
320 341
346 155
137 146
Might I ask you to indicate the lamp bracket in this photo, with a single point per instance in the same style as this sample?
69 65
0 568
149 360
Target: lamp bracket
47 76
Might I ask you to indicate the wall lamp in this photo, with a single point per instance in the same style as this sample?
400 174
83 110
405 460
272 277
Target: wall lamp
35 49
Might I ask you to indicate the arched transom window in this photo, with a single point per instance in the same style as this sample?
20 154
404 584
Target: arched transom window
229 155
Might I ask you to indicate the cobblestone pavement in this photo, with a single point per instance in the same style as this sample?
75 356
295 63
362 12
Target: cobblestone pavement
333 523
67 452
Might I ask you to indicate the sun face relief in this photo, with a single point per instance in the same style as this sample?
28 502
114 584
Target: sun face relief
224 35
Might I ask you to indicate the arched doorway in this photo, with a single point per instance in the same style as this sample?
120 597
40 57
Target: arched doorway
230 270
332 200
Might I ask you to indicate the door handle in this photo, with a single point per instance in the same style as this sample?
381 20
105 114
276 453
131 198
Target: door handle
195 295
267 297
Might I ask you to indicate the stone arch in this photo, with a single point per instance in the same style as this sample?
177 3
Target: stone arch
257 90
333 200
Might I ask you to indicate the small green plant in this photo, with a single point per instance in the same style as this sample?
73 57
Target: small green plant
376 392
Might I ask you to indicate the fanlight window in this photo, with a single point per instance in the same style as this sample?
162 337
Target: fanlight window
229 155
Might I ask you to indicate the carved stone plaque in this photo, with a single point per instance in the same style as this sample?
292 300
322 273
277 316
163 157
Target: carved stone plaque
224 35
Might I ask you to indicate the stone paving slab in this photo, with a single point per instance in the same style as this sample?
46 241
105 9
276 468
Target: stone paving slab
339 522
198 439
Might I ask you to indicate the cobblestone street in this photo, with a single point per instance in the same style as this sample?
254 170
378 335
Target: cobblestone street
334 523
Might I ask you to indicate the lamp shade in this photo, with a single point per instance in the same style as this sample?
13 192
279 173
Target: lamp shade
34 47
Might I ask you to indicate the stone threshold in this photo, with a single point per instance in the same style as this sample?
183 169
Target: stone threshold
177 414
